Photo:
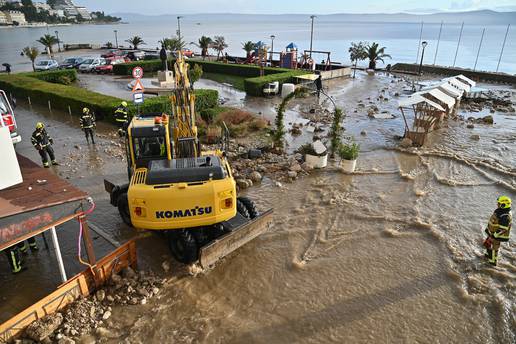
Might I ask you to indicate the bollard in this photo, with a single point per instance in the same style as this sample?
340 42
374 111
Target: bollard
28 98
49 106
69 110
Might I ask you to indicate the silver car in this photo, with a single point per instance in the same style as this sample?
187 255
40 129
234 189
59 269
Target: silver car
46 65
89 64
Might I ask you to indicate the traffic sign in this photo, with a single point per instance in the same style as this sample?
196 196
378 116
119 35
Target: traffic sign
138 86
138 98
137 72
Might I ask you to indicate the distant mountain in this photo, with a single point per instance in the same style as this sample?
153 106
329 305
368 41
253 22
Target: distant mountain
482 17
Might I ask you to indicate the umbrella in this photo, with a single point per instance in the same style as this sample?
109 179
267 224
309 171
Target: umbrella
6 65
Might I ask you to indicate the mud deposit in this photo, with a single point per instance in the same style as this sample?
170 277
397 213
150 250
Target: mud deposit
390 254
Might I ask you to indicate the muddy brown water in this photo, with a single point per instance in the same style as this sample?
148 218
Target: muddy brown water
391 254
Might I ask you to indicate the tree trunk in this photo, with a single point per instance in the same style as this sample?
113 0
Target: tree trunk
372 64
355 69
33 67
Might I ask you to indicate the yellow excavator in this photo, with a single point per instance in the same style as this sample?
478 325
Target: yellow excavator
176 188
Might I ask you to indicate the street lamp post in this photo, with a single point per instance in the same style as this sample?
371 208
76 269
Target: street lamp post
179 26
312 34
272 47
58 42
423 44
116 38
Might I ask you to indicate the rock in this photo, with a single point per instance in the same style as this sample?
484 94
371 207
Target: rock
396 94
292 174
306 166
256 177
44 327
254 154
106 315
295 167
116 279
100 295
66 340
132 301
363 133
77 147
166 266
278 184
143 301
488 119
475 137
470 126
406 143
242 183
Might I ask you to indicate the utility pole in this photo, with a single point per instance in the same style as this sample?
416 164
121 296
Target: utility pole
419 44
179 27
312 34
479 46
458 44
423 44
272 47
116 38
503 46
58 42
438 40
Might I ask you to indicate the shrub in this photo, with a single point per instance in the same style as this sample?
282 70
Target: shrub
62 76
349 151
206 99
235 117
336 131
209 115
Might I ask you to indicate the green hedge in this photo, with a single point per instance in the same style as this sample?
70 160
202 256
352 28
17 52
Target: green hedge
54 76
254 86
244 70
204 99
61 96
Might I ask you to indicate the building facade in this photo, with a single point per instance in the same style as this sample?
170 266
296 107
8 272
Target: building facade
3 19
15 17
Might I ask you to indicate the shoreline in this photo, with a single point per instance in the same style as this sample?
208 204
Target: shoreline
40 25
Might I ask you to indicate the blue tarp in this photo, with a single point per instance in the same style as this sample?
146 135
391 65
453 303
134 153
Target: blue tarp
291 46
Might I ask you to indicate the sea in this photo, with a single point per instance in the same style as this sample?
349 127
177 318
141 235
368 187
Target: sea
331 33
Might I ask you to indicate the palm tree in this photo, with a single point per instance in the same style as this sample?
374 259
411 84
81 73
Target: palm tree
135 41
32 53
219 44
374 54
204 45
248 47
357 52
48 41
173 44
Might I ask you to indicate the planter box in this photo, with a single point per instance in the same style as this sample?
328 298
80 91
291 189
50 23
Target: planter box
316 161
348 166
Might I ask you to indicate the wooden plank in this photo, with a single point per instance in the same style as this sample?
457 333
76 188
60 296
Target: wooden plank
79 285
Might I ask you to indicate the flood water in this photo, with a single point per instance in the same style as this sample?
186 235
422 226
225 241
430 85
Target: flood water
390 254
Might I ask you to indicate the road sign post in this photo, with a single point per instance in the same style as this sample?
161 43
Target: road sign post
138 88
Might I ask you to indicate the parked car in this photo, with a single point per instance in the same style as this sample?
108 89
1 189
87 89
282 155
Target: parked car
46 65
136 55
113 53
188 53
108 67
71 62
7 116
90 64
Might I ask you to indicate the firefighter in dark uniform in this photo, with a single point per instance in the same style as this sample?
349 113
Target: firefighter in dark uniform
88 124
13 254
498 229
121 118
318 85
42 142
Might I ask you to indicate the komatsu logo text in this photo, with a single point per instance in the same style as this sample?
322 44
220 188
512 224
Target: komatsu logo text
170 214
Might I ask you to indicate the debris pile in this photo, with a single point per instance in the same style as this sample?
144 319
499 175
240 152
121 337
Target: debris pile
91 315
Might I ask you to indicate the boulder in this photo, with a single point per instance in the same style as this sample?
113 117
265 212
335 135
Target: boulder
295 167
241 183
475 137
470 126
255 176
292 174
488 119
307 167
44 327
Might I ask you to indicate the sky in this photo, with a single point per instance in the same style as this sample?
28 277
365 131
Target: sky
153 7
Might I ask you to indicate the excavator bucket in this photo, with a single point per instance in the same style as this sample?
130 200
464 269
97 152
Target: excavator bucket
239 235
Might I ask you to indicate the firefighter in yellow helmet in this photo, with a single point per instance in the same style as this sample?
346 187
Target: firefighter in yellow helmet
88 124
498 229
42 142
121 118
